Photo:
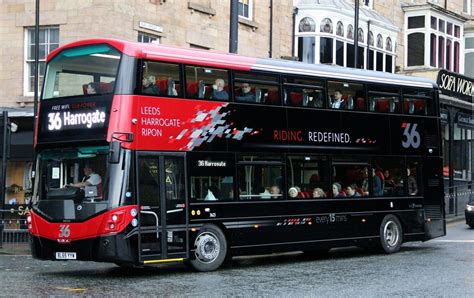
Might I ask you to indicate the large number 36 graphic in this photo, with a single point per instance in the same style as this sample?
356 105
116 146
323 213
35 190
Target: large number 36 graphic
411 137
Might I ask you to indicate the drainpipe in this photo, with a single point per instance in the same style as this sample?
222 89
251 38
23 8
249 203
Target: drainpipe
234 23
293 36
271 30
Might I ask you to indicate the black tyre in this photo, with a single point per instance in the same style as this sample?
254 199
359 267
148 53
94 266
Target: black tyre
210 249
391 234
471 226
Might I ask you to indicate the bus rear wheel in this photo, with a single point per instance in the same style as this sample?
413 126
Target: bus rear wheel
391 234
210 249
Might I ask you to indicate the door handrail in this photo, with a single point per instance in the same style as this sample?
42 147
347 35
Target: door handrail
157 221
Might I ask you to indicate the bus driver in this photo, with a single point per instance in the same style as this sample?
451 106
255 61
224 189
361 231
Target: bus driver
90 178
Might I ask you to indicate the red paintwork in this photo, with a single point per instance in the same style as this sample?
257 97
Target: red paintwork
169 53
145 108
91 228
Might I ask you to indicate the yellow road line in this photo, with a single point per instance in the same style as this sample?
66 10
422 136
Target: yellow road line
163 261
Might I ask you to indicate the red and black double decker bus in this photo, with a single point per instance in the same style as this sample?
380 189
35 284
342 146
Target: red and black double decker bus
202 156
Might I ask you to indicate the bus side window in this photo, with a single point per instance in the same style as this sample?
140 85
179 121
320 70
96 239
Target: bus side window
160 79
258 180
252 87
207 83
211 176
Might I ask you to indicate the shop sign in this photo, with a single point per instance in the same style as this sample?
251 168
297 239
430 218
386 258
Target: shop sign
465 120
456 85
444 115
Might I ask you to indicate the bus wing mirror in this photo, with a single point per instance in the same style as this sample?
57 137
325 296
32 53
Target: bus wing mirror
114 152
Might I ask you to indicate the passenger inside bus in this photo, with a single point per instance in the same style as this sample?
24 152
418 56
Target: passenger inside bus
318 193
412 185
337 101
149 85
351 191
275 191
91 88
218 91
245 93
337 190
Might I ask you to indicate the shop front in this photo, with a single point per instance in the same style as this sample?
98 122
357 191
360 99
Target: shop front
16 166
457 120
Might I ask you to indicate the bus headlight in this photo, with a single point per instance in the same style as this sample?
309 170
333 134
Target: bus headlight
469 208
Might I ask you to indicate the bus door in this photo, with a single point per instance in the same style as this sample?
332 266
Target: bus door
433 197
162 202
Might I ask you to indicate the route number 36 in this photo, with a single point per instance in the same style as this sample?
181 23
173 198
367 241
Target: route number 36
411 137
55 122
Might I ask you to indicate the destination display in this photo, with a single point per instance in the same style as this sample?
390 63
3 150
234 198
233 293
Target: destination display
74 119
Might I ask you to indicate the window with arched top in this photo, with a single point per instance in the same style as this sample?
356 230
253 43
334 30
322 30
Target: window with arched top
379 41
350 32
361 35
307 25
388 44
371 38
340 29
326 26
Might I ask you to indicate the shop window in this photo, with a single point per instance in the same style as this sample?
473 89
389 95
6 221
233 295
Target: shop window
260 178
347 96
18 182
211 176
434 23
388 63
205 82
326 50
350 52
306 48
340 29
371 38
350 32
339 53
307 177
388 44
433 50
370 60
379 41
361 35
160 79
416 22
307 25
326 26
441 51
416 42
379 62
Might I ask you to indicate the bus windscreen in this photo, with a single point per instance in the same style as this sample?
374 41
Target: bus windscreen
82 71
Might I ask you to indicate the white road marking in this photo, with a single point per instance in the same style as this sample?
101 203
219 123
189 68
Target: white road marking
456 241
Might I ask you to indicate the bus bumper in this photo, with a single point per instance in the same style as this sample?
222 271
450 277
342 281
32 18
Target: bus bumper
111 248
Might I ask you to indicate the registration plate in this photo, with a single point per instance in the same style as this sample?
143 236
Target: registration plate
65 256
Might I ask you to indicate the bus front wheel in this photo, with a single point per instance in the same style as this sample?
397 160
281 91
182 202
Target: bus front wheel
391 234
210 249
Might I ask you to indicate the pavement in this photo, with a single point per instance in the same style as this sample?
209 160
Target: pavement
24 248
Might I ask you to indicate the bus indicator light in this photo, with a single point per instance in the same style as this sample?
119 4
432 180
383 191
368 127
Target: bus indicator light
198 212
363 220
256 226
193 212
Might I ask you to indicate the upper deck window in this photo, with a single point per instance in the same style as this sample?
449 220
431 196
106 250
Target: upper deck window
82 71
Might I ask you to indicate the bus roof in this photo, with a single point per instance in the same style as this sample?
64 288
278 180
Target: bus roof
238 62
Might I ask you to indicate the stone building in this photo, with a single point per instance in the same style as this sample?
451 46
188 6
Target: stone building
264 30
433 39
